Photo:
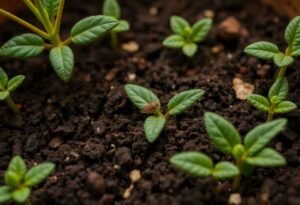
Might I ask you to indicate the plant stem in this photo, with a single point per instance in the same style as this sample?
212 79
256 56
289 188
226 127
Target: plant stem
281 73
44 16
12 105
33 9
237 179
27 202
67 41
271 112
24 23
58 17
114 40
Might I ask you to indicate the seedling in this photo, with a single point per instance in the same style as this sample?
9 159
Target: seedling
252 153
276 102
49 14
149 103
112 8
7 87
187 37
19 181
269 51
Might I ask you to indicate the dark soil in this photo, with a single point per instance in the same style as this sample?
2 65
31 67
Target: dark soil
88 125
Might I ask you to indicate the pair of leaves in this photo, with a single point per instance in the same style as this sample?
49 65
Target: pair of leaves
277 96
18 180
187 37
200 165
7 86
154 124
225 137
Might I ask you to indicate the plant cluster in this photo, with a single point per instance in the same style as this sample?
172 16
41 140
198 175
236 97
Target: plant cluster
149 103
19 181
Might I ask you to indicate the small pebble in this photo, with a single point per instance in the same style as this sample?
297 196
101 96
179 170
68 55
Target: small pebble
235 199
96 183
131 46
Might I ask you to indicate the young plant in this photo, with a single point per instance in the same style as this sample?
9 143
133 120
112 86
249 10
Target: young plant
187 37
19 181
7 87
252 153
269 51
149 103
112 8
49 14
276 102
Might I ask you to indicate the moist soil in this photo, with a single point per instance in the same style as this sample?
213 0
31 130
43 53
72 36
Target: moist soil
94 135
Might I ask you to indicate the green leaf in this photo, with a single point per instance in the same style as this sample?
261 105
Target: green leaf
280 89
140 96
296 53
267 158
246 169
179 25
23 46
193 163
201 29
15 82
51 7
3 79
259 102
174 41
38 174
292 34
122 27
225 170
285 106
189 49
222 133
18 166
261 135
12 179
4 95
112 8
21 195
183 101
91 28
153 126
263 50
282 60
62 60
5 194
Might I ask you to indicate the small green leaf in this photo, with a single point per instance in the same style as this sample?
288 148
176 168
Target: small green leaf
261 135
263 50
38 174
3 79
296 53
51 7
189 49
112 8
259 102
12 179
246 169
292 34
201 29
222 133
18 166
21 195
122 27
285 106
282 60
23 46
15 82
153 126
4 95
91 28
193 163
267 158
62 60
179 25
140 96
225 170
183 101
5 194
174 41
280 89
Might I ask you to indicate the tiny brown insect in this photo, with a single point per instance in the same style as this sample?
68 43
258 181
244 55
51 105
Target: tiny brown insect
151 107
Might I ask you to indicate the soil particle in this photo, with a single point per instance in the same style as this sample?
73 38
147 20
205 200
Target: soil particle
96 184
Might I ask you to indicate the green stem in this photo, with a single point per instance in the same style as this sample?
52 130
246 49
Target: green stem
67 41
27 202
281 73
237 180
58 18
12 105
271 112
25 24
33 9
44 16
114 40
